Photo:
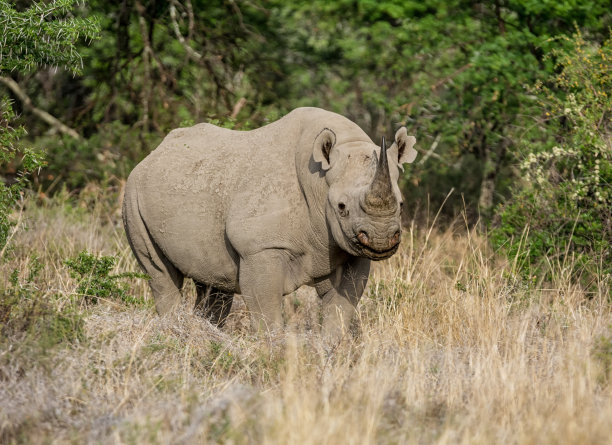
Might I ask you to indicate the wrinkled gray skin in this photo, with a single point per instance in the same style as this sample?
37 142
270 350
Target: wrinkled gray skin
304 200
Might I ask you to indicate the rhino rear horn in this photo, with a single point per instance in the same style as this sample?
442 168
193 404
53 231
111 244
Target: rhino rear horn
379 198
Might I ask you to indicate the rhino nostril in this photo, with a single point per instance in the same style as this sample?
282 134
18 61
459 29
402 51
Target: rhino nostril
363 238
395 239
342 210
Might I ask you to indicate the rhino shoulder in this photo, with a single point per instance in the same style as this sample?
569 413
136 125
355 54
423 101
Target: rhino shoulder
312 113
182 133
259 221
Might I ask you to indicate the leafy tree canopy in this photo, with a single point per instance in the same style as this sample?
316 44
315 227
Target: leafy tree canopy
43 34
454 72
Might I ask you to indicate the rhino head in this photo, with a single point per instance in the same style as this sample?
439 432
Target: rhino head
363 207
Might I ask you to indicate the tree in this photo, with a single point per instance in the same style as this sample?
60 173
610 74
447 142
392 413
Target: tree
560 214
452 71
42 34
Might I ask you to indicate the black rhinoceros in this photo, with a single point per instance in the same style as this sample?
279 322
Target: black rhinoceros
308 199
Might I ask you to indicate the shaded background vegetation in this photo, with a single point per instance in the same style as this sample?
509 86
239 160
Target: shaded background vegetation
453 72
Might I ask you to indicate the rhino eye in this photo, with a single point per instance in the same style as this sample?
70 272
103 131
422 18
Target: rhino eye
342 209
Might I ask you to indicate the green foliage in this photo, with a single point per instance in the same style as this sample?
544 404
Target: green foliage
43 34
109 153
8 194
40 35
35 317
563 207
452 71
30 161
96 281
8 133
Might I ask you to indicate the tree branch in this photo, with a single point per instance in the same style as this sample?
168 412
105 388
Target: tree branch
147 54
431 150
14 229
42 114
500 21
175 26
238 106
441 82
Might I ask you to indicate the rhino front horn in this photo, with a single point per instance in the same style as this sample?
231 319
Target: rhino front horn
379 198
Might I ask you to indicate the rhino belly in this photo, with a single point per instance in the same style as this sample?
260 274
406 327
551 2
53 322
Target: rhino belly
191 235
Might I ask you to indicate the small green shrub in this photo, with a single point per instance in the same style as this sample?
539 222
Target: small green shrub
34 316
96 281
561 212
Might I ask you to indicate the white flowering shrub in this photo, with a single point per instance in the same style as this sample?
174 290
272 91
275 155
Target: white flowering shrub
561 209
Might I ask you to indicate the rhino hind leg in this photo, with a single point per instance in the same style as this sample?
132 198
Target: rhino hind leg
166 280
166 288
213 303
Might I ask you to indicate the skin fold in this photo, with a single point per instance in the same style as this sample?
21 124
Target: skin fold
305 200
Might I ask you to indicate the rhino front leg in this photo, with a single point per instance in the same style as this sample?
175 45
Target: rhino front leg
262 278
340 293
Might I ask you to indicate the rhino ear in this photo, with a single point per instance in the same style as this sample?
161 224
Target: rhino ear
323 144
404 143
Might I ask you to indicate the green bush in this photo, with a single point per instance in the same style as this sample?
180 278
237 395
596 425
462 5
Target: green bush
561 211
10 191
34 317
96 281
45 33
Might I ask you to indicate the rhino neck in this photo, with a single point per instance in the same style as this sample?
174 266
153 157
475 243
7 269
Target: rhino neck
311 177
314 190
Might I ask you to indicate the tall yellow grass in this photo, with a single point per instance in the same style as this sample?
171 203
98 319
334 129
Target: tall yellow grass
451 348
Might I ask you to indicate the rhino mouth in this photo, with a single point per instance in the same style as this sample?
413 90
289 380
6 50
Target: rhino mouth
373 253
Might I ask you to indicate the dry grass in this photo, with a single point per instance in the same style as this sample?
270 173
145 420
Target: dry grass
452 349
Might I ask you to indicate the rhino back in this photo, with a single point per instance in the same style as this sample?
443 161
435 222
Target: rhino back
187 186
